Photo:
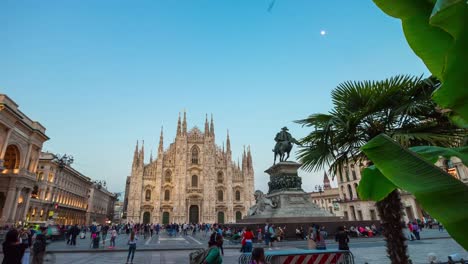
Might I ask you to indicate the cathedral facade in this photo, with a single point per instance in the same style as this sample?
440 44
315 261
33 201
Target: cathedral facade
192 181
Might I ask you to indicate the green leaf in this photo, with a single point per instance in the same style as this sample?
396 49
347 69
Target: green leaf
441 195
438 34
414 17
433 153
452 17
374 185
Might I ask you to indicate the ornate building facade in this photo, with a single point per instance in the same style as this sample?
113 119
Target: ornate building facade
194 180
21 142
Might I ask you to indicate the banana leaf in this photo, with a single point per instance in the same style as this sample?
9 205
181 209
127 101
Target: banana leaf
441 195
437 31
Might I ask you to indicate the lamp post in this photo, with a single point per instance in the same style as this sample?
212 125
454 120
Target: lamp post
319 188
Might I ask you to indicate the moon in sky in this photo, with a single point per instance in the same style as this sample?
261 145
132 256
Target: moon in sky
323 32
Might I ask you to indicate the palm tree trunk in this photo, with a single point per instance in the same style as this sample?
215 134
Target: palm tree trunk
390 210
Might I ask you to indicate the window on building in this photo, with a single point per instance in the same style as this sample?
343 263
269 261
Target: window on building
167 195
347 175
220 177
355 189
195 155
353 171
350 191
343 192
148 195
238 195
12 158
359 212
341 177
40 176
194 181
51 177
168 176
220 195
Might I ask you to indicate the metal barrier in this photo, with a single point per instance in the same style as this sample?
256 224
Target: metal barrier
304 257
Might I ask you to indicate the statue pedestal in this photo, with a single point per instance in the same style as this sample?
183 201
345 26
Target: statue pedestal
289 200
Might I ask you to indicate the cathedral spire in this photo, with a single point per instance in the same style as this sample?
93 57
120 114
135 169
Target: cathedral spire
142 153
135 155
326 181
161 143
212 126
179 131
228 143
184 124
151 156
207 128
244 160
249 159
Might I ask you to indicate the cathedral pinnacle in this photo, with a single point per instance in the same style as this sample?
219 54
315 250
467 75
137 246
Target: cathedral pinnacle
212 126
207 128
161 143
179 131
184 124
228 143
135 155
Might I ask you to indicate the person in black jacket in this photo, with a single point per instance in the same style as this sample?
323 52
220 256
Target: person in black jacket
13 250
342 238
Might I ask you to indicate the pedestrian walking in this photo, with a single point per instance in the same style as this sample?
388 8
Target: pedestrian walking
113 237
319 238
214 254
416 230
131 247
38 250
13 250
248 237
342 238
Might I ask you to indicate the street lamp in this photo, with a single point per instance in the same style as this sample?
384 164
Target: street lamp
319 189
63 160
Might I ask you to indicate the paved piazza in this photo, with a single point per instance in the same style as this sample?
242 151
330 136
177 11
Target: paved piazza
165 249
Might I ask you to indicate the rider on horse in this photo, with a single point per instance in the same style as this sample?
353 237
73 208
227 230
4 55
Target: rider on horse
283 145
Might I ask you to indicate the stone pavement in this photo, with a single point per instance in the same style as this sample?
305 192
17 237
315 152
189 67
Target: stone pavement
370 252
166 249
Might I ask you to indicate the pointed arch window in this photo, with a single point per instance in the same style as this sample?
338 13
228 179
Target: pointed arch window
167 177
220 195
148 195
194 181
220 177
195 152
238 195
167 195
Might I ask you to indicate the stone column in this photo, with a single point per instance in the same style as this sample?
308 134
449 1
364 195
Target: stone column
27 158
10 195
26 203
4 147
14 206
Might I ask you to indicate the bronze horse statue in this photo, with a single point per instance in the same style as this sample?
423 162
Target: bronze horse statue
282 149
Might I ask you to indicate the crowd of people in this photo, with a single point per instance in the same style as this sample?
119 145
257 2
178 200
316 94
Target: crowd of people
24 246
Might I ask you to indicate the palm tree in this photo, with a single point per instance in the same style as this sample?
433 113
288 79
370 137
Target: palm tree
400 107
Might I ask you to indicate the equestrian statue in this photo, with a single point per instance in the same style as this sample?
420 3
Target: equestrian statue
283 146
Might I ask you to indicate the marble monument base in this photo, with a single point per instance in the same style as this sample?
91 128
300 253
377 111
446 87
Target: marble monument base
289 202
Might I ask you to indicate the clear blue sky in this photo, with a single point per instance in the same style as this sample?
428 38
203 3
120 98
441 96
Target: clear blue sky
101 74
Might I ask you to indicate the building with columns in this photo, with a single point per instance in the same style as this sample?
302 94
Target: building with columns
60 193
327 197
21 142
356 209
193 180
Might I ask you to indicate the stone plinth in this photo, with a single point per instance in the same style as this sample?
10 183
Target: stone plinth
288 199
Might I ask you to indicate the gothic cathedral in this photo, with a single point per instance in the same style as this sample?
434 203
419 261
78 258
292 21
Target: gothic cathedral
193 181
